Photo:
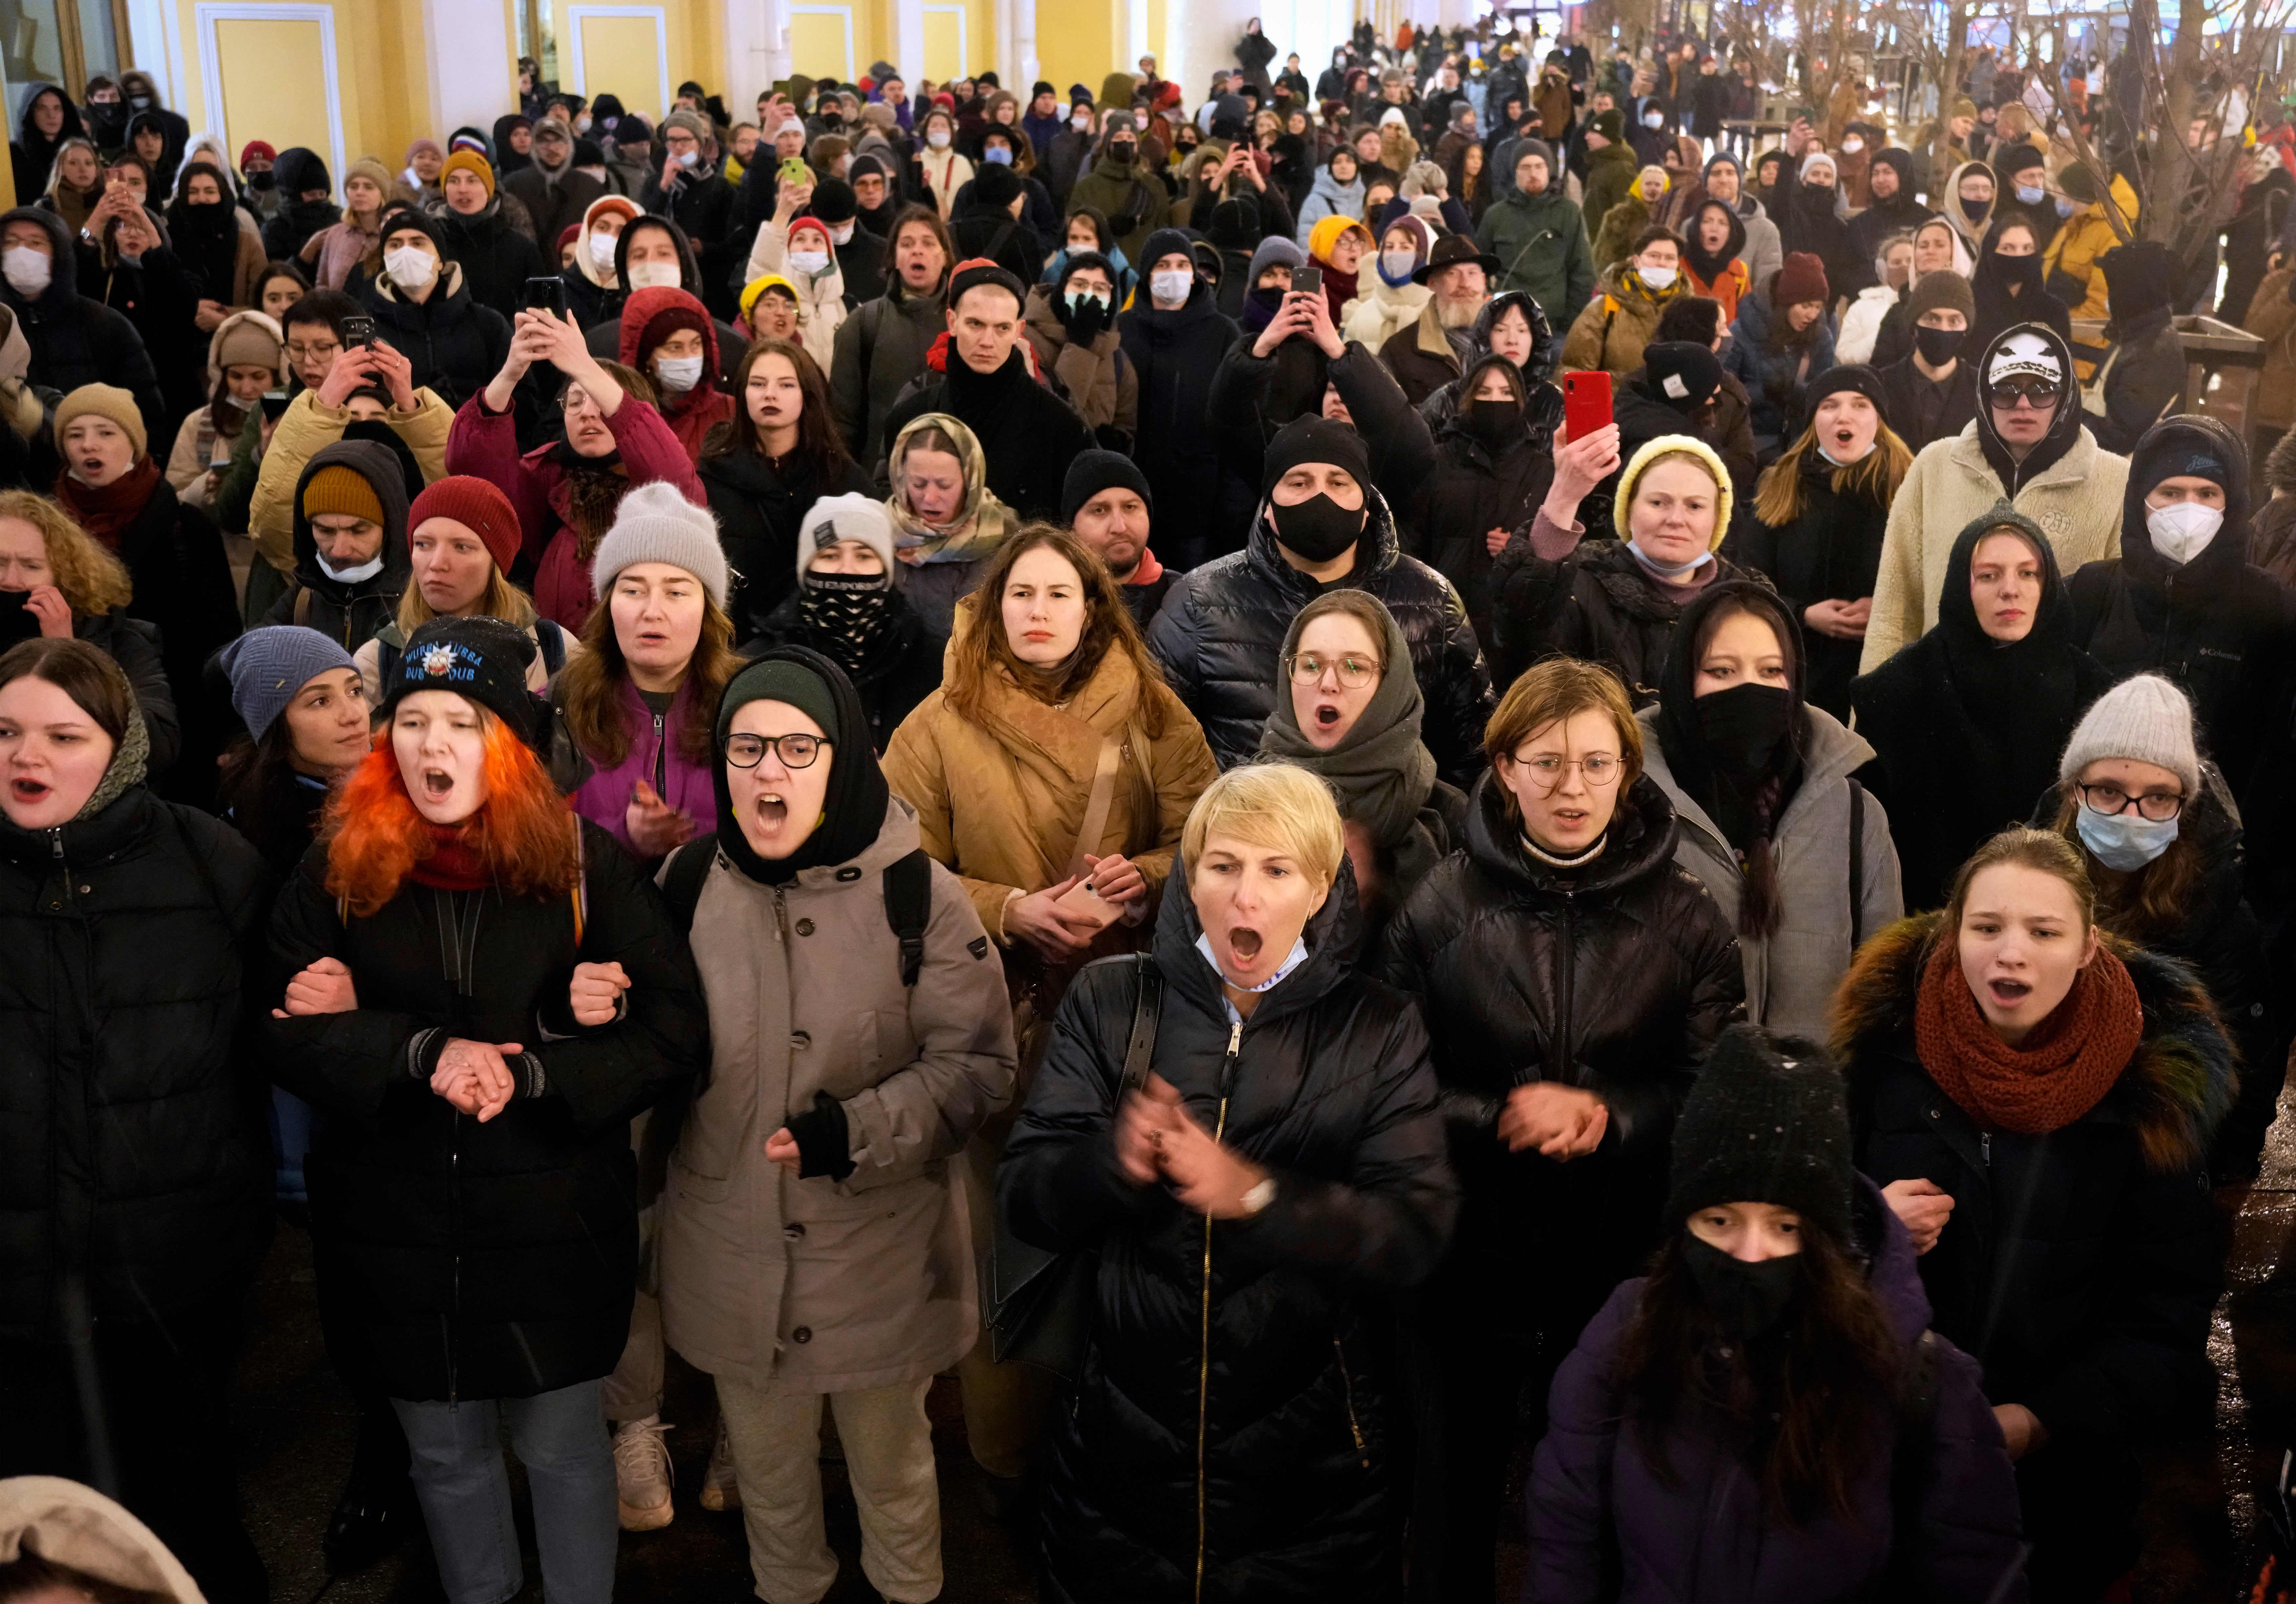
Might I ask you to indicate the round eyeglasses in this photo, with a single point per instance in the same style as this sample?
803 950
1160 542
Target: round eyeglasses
2158 806
1355 671
795 751
1599 769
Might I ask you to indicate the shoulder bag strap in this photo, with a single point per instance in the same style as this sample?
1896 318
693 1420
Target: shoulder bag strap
1096 806
1140 1049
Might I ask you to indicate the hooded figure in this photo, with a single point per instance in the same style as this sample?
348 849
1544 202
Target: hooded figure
75 339
692 403
2009 290
2182 600
1721 276
1900 212
298 171
1970 219
364 477
1966 728
34 154
1493 464
2143 378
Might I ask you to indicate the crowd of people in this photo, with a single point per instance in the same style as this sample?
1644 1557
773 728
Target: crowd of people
952 735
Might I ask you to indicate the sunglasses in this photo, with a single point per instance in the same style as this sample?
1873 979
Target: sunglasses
2040 392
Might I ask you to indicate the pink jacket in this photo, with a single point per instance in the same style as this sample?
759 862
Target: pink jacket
486 444
604 798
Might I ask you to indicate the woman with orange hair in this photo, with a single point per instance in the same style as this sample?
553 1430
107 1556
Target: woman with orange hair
483 995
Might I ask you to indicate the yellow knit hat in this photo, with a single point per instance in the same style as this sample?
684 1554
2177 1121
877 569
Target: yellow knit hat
343 492
1676 445
473 164
104 401
762 284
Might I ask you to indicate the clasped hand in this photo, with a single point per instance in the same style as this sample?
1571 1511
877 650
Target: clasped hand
1157 1139
1563 1123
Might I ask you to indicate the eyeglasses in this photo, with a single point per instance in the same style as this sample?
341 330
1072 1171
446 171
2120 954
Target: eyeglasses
1599 769
2157 806
2041 392
795 751
1307 668
312 352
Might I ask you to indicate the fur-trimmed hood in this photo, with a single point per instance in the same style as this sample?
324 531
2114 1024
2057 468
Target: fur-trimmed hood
2177 1085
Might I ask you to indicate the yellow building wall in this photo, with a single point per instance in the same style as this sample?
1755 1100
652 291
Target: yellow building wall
1077 42
817 37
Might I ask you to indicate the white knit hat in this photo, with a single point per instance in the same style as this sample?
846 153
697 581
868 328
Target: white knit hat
854 517
2143 718
655 523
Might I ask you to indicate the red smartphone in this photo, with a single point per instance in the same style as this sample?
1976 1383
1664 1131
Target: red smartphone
1585 403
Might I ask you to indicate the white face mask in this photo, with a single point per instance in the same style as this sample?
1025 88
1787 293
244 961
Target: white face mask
602 251
2182 532
1653 119
1081 122
1853 145
1657 278
688 158
937 139
809 262
27 269
1399 265
410 266
655 275
349 576
842 233
677 374
1171 285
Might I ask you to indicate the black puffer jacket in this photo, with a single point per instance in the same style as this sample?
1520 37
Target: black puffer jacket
1283 1428
1220 631
757 504
75 340
133 1154
183 591
2222 628
1598 603
461 1260
1615 980
1831 551
2079 1267
496 260
454 344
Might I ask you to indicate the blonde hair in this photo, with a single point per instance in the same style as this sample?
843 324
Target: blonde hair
500 599
91 579
1777 498
1280 806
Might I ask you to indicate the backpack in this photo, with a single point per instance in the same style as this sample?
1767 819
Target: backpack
907 884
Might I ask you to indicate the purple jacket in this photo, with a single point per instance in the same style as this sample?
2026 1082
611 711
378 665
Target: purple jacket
1699 1539
604 798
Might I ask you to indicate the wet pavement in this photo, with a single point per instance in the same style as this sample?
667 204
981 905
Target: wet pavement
294 1424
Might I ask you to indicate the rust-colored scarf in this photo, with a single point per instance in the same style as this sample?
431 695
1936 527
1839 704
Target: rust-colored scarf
107 513
2065 1066
455 864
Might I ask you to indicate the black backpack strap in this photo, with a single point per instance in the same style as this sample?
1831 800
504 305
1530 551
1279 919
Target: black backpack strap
552 639
1856 866
386 661
1140 1047
681 888
908 908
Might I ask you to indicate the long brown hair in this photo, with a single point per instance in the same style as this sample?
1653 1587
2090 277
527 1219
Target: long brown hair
818 440
981 652
1778 499
590 687
2145 904
1806 1411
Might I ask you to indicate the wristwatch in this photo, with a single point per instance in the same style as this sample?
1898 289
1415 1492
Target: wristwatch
1260 1196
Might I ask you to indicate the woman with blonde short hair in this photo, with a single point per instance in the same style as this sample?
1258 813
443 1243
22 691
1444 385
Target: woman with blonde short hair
1276 1147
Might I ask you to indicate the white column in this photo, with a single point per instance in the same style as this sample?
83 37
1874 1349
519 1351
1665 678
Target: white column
150 45
909 41
756 49
1025 66
1135 33
474 61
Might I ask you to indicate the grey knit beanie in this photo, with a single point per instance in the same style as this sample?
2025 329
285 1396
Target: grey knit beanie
269 666
2143 718
654 523
850 517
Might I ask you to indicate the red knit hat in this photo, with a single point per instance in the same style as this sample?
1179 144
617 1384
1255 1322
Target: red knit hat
476 504
1801 278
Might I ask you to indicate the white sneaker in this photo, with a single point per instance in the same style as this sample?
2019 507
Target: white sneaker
720 1491
642 1474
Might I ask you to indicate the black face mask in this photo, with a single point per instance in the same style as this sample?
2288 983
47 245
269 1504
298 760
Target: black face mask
1740 728
1969 208
1746 1299
2020 272
263 179
1491 421
1939 347
1318 529
18 621
1121 152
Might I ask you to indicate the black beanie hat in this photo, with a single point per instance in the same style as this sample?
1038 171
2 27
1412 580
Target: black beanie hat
1096 471
1682 372
2139 277
481 660
834 200
2013 157
853 808
1849 376
1315 439
1766 1121
995 184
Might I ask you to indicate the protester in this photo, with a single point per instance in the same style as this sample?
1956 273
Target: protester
1563 1043
555 195
247 357
1724 181
299 176
1610 332
2007 1049
1888 275
47 120
1767 815
1713 248
1318 1185
75 341
1426 357
593 284
304 708
947 521
1109 505
134 1184
1070 325
669 336
1781 340
217 240
1492 466
353 246
1999 682
1337 191
349 541
1784 1294
2144 378
475 231
1392 297
1931 393
2071 264
2029 446
882 347
534 1209
2007 285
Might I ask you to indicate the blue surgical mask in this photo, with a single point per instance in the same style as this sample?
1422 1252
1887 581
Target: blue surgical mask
2124 841
2065 207
999 155
2030 194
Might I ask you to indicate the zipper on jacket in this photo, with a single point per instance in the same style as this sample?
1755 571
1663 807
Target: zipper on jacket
1348 1391
660 762
1559 1053
1985 1148
454 1319
1204 1364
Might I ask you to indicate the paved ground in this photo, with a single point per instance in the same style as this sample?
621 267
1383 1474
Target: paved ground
295 1425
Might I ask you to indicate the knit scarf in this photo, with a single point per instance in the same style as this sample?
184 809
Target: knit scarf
848 610
454 863
106 513
2061 1072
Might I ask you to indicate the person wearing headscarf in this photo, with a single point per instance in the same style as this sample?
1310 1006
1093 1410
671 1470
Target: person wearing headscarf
1713 256
947 521
1342 713
1967 202
2007 285
1769 819
876 1064
1967 721
1391 297
2027 446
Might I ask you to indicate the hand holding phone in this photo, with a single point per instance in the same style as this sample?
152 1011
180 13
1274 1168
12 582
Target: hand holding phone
1308 280
547 295
1585 403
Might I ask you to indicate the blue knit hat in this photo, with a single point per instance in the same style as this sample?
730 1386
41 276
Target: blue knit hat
269 666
